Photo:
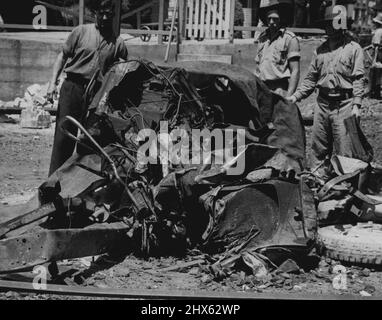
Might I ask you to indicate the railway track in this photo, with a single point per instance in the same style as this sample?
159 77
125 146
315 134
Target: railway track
64 290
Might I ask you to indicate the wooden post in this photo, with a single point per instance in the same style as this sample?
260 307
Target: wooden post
82 12
161 20
181 21
139 20
117 17
232 21
171 31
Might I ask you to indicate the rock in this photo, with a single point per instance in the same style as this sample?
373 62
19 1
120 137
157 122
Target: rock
365 272
194 271
35 118
37 99
369 288
297 288
364 294
9 294
289 266
34 89
258 267
206 279
323 264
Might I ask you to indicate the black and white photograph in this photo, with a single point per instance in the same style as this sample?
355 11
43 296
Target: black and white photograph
207 152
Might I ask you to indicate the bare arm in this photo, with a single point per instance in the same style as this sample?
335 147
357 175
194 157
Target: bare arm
294 57
67 51
294 66
57 68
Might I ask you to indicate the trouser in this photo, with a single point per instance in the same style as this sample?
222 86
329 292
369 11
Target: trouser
329 132
375 82
71 103
279 86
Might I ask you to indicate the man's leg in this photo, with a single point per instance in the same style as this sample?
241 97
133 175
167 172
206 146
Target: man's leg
70 104
321 135
342 140
371 84
378 81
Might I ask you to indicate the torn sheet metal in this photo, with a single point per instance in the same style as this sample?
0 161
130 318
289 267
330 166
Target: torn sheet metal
40 247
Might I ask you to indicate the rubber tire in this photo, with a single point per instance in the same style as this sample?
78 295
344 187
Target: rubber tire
360 244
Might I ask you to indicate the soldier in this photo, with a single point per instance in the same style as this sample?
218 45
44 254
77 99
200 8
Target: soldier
337 70
278 55
376 67
88 49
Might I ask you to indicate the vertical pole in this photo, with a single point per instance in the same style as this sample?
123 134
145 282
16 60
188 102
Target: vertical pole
117 17
232 21
181 20
171 32
82 12
139 20
161 20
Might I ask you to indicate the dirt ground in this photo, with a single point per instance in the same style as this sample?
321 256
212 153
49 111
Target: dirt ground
24 162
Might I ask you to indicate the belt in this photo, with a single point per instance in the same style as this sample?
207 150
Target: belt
335 94
77 79
278 83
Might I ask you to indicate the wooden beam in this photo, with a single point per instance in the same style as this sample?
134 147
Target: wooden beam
31 27
17 110
295 30
171 31
81 12
139 20
181 20
161 20
232 21
139 32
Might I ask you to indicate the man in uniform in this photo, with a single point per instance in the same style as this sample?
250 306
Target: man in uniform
337 70
278 55
376 67
89 49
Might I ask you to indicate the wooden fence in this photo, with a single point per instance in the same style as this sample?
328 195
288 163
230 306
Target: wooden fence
208 19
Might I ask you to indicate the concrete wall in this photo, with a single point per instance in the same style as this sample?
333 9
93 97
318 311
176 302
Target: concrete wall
23 63
244 53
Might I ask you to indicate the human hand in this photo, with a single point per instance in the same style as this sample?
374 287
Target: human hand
291 99
51 92
355 111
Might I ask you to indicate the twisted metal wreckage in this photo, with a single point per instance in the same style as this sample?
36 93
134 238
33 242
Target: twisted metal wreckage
103 200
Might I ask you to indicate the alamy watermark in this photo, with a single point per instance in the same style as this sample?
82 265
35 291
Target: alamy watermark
41 276
341 15
202 147
340 279
40 20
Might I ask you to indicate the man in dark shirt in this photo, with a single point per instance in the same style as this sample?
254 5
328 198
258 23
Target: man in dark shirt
89 49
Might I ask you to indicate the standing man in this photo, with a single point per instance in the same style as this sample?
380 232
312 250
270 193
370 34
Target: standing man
376 67
89 49
337 70
278 54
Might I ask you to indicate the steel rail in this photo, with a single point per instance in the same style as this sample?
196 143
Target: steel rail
64 290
